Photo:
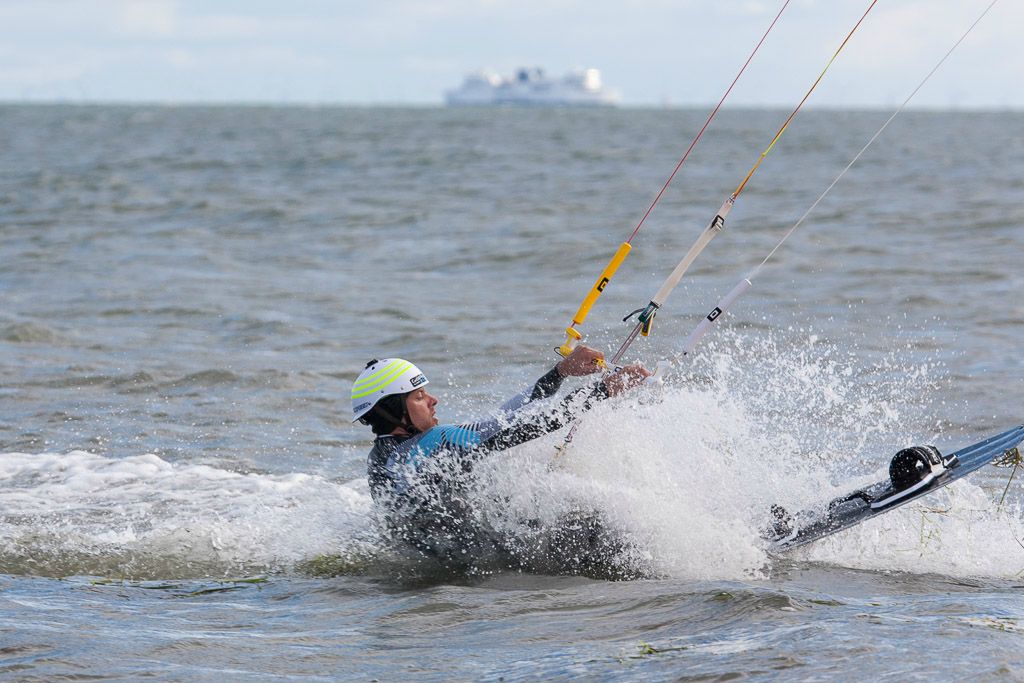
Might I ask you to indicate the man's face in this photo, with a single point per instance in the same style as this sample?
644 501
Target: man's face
420 406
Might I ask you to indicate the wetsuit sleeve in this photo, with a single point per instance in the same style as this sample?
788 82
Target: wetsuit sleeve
519 421
546 386
529 425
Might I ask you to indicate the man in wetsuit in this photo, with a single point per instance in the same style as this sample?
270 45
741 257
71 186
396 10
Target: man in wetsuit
418 469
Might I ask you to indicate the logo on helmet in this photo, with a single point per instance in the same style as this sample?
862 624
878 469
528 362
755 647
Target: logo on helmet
418 380
361 407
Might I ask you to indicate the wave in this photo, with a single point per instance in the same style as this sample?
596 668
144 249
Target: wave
143 517
681 476
30 333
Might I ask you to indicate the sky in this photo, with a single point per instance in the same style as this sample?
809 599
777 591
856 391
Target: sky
408 52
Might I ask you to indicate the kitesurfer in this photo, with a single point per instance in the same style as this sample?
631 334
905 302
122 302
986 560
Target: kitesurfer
418 469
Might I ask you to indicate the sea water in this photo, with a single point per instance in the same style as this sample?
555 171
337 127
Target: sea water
188 293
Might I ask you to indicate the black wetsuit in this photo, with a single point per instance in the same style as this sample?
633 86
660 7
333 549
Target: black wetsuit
421 480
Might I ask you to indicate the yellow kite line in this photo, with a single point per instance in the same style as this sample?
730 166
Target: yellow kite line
572 334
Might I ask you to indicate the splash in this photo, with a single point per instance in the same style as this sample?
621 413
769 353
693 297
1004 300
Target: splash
680 479
688 476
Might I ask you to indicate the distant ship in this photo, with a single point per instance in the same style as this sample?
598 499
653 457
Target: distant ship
532 87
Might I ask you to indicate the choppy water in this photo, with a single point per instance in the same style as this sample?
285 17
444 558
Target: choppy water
188 293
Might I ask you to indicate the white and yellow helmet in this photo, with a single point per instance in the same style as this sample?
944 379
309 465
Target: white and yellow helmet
383 378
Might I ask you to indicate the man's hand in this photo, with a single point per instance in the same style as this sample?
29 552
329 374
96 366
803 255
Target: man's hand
582 361
625 379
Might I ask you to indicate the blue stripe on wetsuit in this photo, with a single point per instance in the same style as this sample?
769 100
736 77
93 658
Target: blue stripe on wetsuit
445 436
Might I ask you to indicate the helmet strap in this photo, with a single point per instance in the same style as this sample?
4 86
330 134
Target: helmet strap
404 423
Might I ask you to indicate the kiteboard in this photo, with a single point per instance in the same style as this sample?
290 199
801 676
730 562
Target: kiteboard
913 472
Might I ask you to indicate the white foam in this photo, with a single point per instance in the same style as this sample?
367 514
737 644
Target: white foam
675 476
141 512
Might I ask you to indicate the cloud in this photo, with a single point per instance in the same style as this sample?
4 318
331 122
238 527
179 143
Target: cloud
40 74
411 50
181 59
146 17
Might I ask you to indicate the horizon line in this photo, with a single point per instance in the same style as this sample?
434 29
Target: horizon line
339 104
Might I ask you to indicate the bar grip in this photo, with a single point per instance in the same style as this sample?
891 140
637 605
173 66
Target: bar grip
602 281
